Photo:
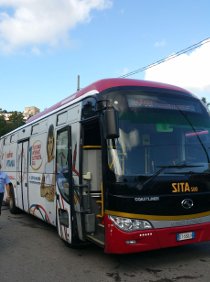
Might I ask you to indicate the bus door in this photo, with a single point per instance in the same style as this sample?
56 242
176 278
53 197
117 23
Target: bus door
92 196
22 175
64 184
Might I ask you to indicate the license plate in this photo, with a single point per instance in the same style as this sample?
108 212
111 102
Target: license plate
185 236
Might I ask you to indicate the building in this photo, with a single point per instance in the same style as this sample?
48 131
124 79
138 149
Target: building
6 115
30 111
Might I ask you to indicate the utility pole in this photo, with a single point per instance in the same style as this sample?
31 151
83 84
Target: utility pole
78 82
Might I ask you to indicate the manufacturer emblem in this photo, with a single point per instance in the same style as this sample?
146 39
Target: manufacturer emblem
187 204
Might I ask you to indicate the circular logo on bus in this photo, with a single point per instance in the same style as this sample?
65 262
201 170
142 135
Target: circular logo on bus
187 204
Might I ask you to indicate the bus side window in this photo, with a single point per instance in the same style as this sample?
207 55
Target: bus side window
62 161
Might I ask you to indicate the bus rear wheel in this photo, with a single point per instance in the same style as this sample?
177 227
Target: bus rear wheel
12 207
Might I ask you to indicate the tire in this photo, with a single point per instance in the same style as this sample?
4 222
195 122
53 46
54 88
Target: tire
12 207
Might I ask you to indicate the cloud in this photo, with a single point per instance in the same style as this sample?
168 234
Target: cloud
190 71
29 23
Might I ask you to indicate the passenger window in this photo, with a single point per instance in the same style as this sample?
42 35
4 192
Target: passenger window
63 162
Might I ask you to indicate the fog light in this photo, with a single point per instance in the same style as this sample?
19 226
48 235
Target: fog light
130 242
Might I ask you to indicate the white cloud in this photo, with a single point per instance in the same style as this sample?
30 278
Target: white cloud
190 71
42 22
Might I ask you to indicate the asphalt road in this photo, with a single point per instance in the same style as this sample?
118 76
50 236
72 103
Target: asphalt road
31 250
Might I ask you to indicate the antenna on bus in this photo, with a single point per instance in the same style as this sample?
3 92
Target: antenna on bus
78 82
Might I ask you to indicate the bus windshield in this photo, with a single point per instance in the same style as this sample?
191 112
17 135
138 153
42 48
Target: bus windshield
159 130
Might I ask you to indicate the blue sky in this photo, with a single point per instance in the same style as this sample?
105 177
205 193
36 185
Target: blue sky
45 44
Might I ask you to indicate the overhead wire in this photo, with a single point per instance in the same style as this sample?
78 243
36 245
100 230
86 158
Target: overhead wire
163 60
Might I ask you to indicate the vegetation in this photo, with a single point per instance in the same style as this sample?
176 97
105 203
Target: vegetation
3 126
15 120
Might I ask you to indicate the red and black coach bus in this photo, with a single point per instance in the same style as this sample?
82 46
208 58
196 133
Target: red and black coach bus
129 167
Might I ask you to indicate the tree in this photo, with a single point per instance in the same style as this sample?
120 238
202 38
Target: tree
15 120
3 125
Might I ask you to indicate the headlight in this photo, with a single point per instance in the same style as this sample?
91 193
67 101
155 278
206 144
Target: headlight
128 224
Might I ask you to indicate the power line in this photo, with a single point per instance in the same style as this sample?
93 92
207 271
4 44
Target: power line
163 60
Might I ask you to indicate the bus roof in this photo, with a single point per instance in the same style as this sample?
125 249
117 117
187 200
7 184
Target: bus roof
101 85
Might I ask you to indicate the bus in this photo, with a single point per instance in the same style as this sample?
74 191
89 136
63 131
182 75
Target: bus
122 163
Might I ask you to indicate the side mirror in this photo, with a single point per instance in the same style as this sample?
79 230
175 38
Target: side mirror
111 123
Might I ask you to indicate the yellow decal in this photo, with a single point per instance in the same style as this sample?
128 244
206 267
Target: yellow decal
183 187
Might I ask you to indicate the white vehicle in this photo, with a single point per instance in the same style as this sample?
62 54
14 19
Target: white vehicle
122 163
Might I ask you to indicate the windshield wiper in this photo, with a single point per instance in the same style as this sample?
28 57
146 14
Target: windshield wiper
182 166
163 167
179 166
